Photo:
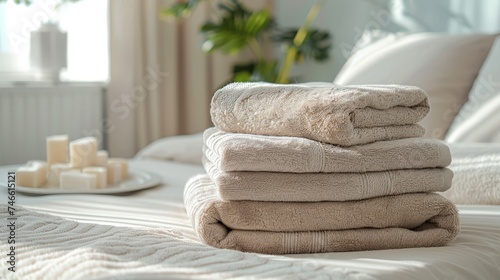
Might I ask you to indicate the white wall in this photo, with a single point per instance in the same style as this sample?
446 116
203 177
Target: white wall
347 19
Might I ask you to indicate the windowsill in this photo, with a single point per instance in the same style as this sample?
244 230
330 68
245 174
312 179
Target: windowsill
9 84
29 78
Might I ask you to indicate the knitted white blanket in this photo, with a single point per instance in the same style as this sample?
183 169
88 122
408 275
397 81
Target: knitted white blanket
477 173
50 247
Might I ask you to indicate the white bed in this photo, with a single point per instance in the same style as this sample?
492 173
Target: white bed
475 254
147 235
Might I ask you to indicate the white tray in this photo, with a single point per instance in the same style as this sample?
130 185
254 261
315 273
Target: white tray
138 180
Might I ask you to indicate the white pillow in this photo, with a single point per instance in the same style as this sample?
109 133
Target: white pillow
481 126
181 148
479 119
445 66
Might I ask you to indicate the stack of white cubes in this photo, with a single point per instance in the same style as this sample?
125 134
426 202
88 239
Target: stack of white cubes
80 167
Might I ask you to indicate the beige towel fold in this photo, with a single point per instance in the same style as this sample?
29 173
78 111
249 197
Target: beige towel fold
341 115
250 152
276 186
401 221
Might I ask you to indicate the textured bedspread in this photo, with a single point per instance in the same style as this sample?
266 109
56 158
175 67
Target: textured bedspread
54 248
147 235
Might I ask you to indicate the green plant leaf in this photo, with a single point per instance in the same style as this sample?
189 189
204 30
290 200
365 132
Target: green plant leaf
180 9
177 10
236 27
266 71
244 76
257 22
255 71
316 44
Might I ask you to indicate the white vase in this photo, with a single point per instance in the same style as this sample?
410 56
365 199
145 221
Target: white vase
48 51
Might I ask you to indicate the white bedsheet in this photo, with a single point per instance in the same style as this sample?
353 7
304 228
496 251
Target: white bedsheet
475 254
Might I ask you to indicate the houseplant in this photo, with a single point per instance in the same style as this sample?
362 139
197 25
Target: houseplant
239 28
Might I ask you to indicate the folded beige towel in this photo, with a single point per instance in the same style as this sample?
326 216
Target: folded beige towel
278 186
250 152
341 115
400 221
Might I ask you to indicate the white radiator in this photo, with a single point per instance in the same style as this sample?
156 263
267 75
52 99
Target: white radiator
30 113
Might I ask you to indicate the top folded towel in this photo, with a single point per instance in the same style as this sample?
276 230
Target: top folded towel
341 115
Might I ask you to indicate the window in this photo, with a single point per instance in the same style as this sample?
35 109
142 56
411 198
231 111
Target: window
86 23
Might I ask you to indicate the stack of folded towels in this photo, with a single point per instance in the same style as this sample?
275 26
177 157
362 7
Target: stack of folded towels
312 168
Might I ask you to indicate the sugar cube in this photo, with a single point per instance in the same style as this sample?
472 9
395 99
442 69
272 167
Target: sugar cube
83 152
102 158
123 165
101 175
57 149
114 173
55 172
33 174
76 180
